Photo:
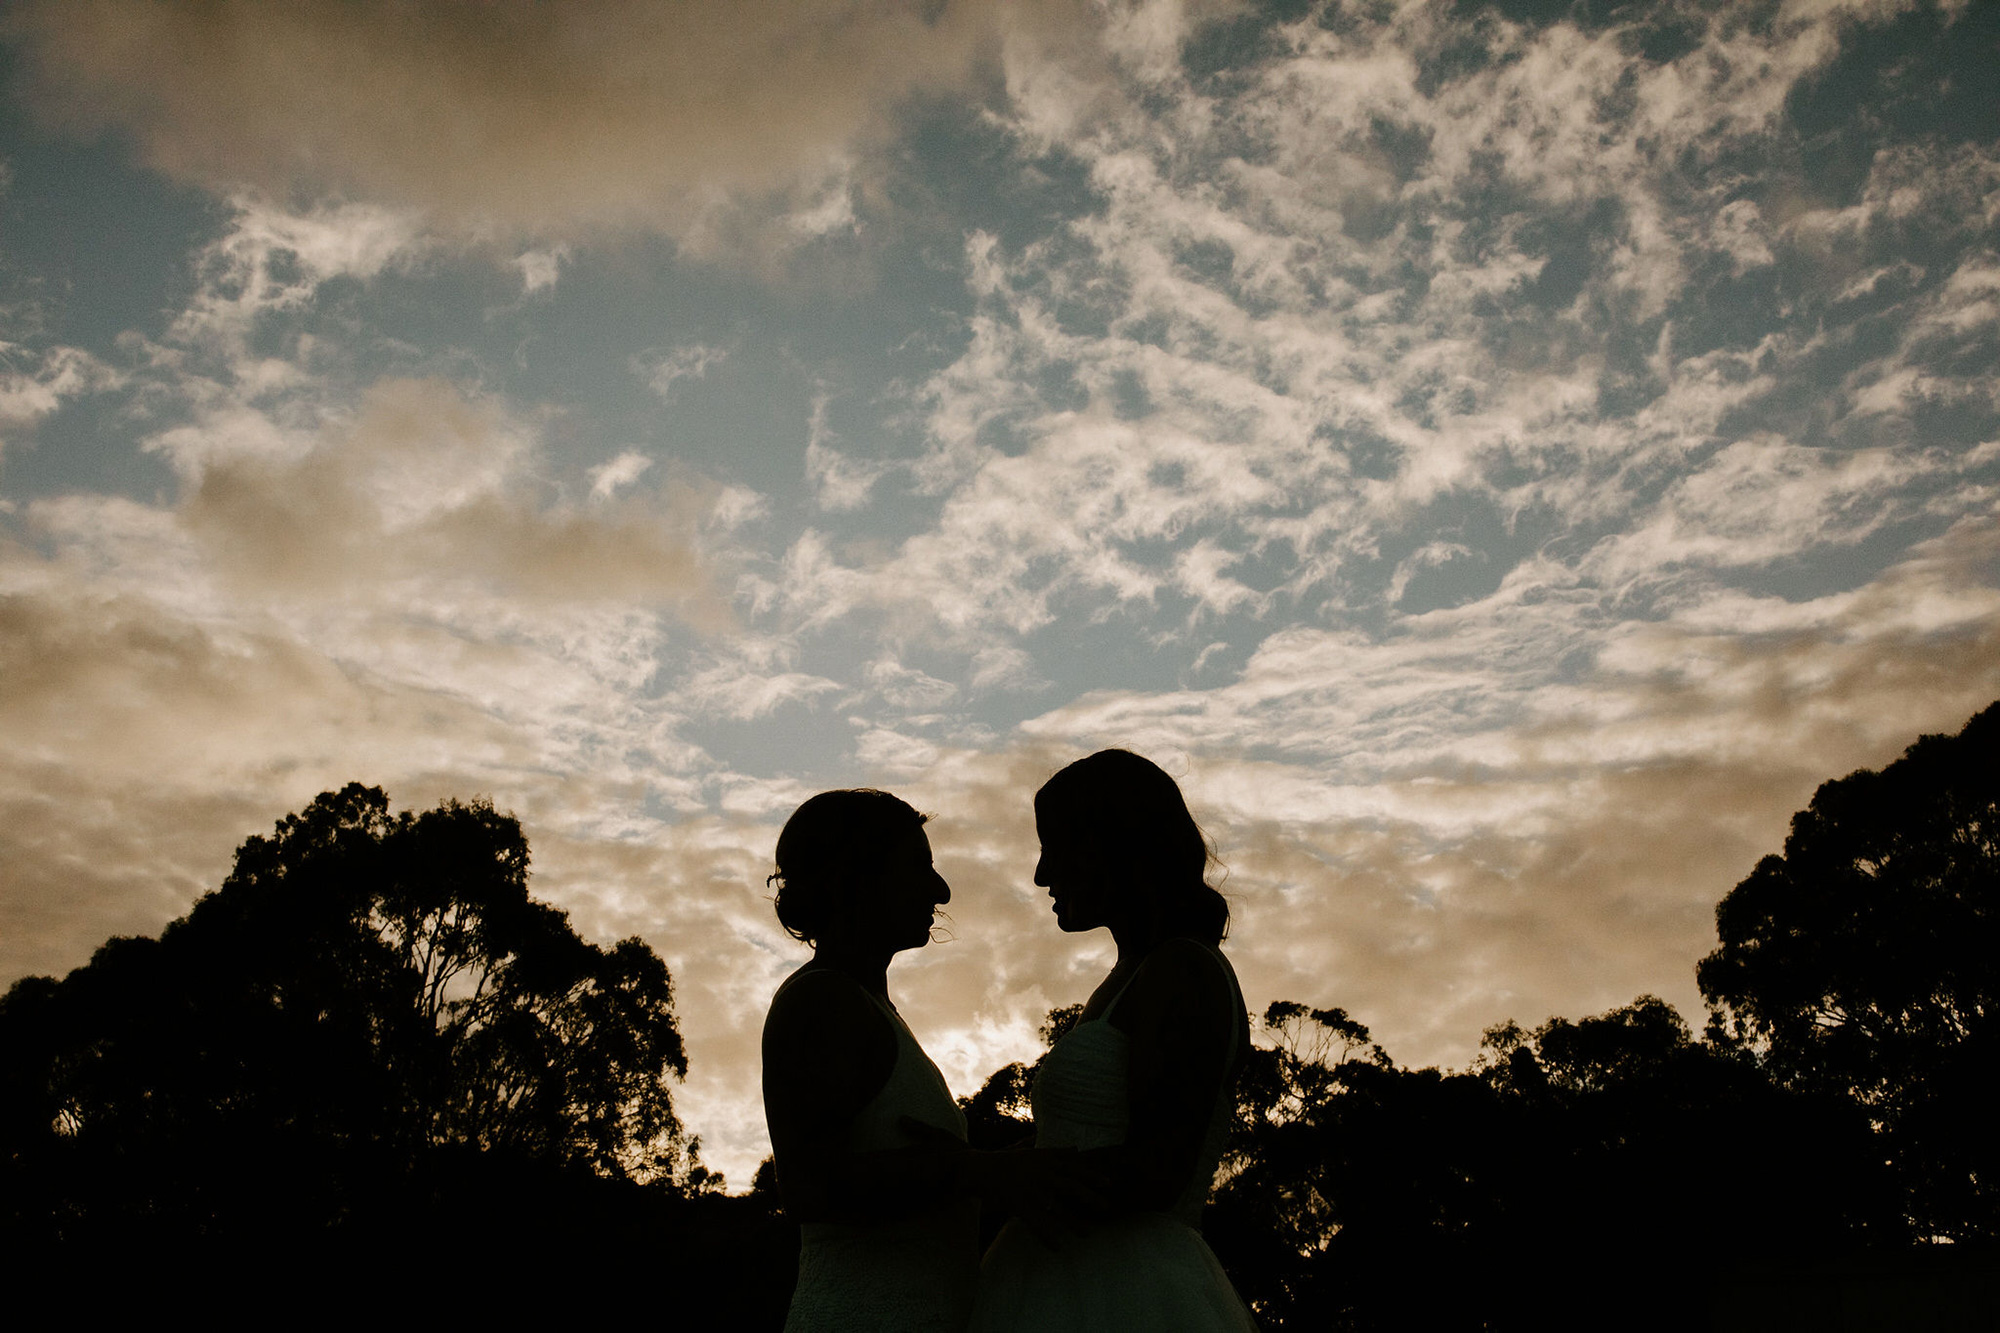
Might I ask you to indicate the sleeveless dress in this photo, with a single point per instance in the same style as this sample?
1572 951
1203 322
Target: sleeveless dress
912 1274
1138 1271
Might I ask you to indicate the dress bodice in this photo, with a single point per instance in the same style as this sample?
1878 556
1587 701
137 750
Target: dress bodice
1080 1096
914 1087
908 1274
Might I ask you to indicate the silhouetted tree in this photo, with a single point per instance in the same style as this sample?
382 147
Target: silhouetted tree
1276 1218
1578 1166
369 1013
1613 1169
1865 961
998 1115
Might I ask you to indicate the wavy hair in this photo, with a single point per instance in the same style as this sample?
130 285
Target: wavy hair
1127 810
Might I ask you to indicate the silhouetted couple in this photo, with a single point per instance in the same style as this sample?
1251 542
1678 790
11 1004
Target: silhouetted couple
1131 1106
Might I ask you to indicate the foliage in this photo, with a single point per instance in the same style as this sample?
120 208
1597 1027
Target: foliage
1614 1169
365 1001
1865 962
999 1115
371 1030
1357 1195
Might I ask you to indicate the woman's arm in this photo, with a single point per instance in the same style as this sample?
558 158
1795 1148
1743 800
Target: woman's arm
828 1049
1181 1017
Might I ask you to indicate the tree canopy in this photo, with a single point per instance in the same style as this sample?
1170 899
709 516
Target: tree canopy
1865 961
1576 1165
366 996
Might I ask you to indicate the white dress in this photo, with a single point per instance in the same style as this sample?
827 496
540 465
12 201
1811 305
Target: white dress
911 1274
1137 1271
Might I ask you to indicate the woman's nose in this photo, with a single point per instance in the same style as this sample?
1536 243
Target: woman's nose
943 894
1041 871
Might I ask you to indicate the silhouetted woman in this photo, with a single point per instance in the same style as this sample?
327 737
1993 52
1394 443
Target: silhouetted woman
1144 1083
888 1240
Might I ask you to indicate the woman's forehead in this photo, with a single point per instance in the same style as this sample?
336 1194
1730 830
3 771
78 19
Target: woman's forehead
1055 820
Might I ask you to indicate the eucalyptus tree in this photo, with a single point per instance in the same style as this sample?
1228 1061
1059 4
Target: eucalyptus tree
1865 961
365 997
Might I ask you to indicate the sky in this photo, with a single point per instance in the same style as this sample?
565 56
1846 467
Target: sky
1499 458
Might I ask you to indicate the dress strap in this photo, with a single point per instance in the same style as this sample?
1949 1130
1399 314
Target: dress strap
1119 994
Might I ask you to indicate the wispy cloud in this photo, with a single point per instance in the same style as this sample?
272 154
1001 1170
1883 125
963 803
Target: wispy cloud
34 382
663 369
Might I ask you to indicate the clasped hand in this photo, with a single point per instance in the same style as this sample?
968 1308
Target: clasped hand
1054 1192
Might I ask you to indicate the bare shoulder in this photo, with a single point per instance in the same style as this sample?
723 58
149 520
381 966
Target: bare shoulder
1181 980
818 1009
827 1049
1191 967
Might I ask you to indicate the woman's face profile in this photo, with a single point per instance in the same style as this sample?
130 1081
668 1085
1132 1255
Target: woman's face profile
1080 885
908 892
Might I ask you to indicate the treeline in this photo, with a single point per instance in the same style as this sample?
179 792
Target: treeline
1823 1156
1608 1172
370 1039
370 1045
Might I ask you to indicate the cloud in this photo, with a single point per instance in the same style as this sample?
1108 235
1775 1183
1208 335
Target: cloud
273 261
607 479
509 116
734 690
424 485
1343 329
662 370
540 268
141 745
839 483
1760 500
367 580
906 687
1436 868
34 383
882 750
1004 667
